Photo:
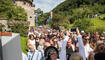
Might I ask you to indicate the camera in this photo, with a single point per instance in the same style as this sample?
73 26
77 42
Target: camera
73 29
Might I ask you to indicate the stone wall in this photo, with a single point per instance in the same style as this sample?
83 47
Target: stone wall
4 22
29 10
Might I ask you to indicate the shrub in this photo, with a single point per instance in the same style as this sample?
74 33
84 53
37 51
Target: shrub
20 28
94 29
59 20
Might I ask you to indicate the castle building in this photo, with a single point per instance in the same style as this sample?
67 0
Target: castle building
29 8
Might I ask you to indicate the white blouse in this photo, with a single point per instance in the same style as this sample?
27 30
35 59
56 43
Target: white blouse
32 42
63 48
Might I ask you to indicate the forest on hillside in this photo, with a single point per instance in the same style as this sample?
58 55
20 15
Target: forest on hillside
79 13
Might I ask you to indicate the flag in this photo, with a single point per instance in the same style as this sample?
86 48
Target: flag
36 18
51 14
48 20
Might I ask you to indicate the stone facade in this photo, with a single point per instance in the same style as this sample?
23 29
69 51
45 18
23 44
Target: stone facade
29 10
4 22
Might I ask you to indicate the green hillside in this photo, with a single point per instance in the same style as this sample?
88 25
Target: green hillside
99 25
77 13
68 5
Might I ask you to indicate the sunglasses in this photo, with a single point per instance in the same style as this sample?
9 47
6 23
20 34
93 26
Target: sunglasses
85 39
101 39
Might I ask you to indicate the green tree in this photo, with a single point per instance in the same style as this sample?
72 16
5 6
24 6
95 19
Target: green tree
20 28
42 17
59 20
11 11
83 24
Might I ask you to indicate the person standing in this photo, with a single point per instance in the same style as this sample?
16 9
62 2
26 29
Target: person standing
84 47
64 44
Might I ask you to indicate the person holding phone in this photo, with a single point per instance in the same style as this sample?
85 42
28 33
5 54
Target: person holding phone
84 47
67 47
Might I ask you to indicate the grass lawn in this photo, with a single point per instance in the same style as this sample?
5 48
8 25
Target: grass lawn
98 24
102 16
24 44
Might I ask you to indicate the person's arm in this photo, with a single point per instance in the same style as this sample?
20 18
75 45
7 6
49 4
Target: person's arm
31 47
64 42
63 48
28 43
51 42
78 32
81 45
79 37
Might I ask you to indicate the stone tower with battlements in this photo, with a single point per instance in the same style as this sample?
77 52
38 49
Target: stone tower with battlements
29 8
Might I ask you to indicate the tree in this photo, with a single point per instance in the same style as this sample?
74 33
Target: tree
42 17
11 11
58 20
83 24
20 28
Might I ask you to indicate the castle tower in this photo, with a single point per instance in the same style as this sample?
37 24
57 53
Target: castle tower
29 8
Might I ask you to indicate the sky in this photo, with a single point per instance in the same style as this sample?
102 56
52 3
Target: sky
46 5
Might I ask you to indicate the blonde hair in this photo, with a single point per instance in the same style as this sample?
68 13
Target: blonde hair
76 56
97 49
41 42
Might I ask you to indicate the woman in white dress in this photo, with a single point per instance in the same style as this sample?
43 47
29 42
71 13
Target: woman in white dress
31 46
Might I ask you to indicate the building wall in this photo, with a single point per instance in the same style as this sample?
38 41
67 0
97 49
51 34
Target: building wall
29 10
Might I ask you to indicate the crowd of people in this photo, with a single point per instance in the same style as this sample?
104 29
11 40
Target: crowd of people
51 44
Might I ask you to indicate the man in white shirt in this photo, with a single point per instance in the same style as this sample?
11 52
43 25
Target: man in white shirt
84 48
63 49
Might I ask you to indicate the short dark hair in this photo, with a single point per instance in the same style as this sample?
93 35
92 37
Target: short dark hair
30 36
84 36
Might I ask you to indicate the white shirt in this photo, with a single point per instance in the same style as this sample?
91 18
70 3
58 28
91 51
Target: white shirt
63 48
88 49
29 55
37 55
73 47
81 47
32 42
40 49
34 56
60 43
29 33
84 50
24 57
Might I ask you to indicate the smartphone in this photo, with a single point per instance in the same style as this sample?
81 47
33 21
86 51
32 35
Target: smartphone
73 29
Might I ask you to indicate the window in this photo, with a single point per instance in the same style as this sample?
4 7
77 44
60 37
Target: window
30 16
